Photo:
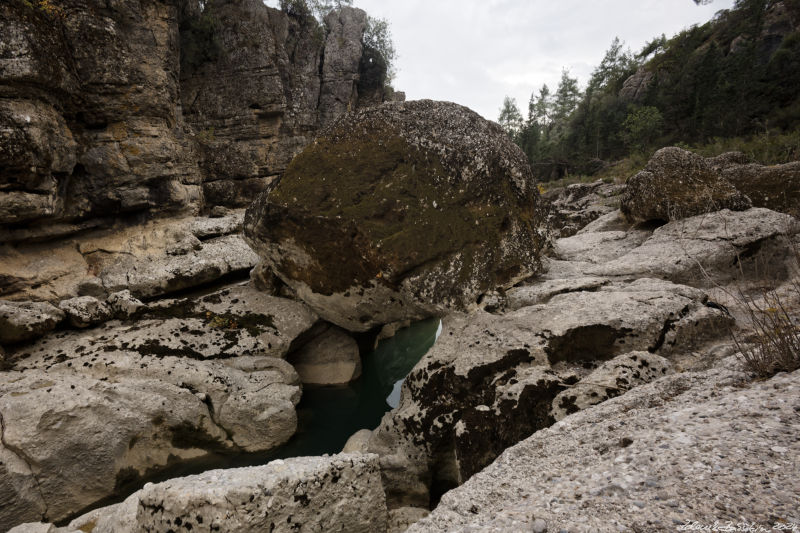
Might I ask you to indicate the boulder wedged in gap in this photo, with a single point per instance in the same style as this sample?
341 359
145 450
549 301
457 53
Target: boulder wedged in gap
330 358
401 211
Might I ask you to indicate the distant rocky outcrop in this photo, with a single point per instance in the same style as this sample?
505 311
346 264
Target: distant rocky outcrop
401 211
576 205
103 116
677 184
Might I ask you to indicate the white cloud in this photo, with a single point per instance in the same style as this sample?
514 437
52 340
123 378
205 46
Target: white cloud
476 52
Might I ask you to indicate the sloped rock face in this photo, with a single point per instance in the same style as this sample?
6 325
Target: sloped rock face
72 436
400 211
625 464
677 184
86 413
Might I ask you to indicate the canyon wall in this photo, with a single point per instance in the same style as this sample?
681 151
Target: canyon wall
126 109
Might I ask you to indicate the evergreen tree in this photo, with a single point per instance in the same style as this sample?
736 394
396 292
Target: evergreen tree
510 119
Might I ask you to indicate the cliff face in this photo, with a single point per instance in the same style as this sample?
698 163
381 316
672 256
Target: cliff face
100 117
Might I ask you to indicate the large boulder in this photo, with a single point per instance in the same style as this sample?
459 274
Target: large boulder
676 184
400 211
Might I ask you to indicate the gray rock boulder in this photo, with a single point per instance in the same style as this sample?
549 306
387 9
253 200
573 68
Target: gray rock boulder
85 311
358 441
330 358
677 184
22 321
400 211
123 304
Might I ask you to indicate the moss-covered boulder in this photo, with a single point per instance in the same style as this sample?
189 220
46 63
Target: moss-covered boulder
678 184
400 211
775 187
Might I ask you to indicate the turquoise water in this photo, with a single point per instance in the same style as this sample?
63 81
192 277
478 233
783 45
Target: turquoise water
327 416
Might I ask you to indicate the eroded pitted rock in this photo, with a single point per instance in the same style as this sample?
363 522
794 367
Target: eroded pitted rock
338 493
610 379
78 431
677 184
400 211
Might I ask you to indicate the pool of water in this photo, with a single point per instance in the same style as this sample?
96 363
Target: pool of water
327 416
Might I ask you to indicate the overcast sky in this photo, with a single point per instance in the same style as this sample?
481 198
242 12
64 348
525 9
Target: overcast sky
474 52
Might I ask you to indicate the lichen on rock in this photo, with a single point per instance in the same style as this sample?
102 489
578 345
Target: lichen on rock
401 211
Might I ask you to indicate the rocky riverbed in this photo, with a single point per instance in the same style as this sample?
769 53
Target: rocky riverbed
191 251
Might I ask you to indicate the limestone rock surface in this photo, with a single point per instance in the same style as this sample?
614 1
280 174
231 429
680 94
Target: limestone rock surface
82 428
623 465
491 379
338 493
610 379
717 246
148 259
400 211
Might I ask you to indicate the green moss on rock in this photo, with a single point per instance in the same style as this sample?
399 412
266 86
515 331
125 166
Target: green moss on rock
423 190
